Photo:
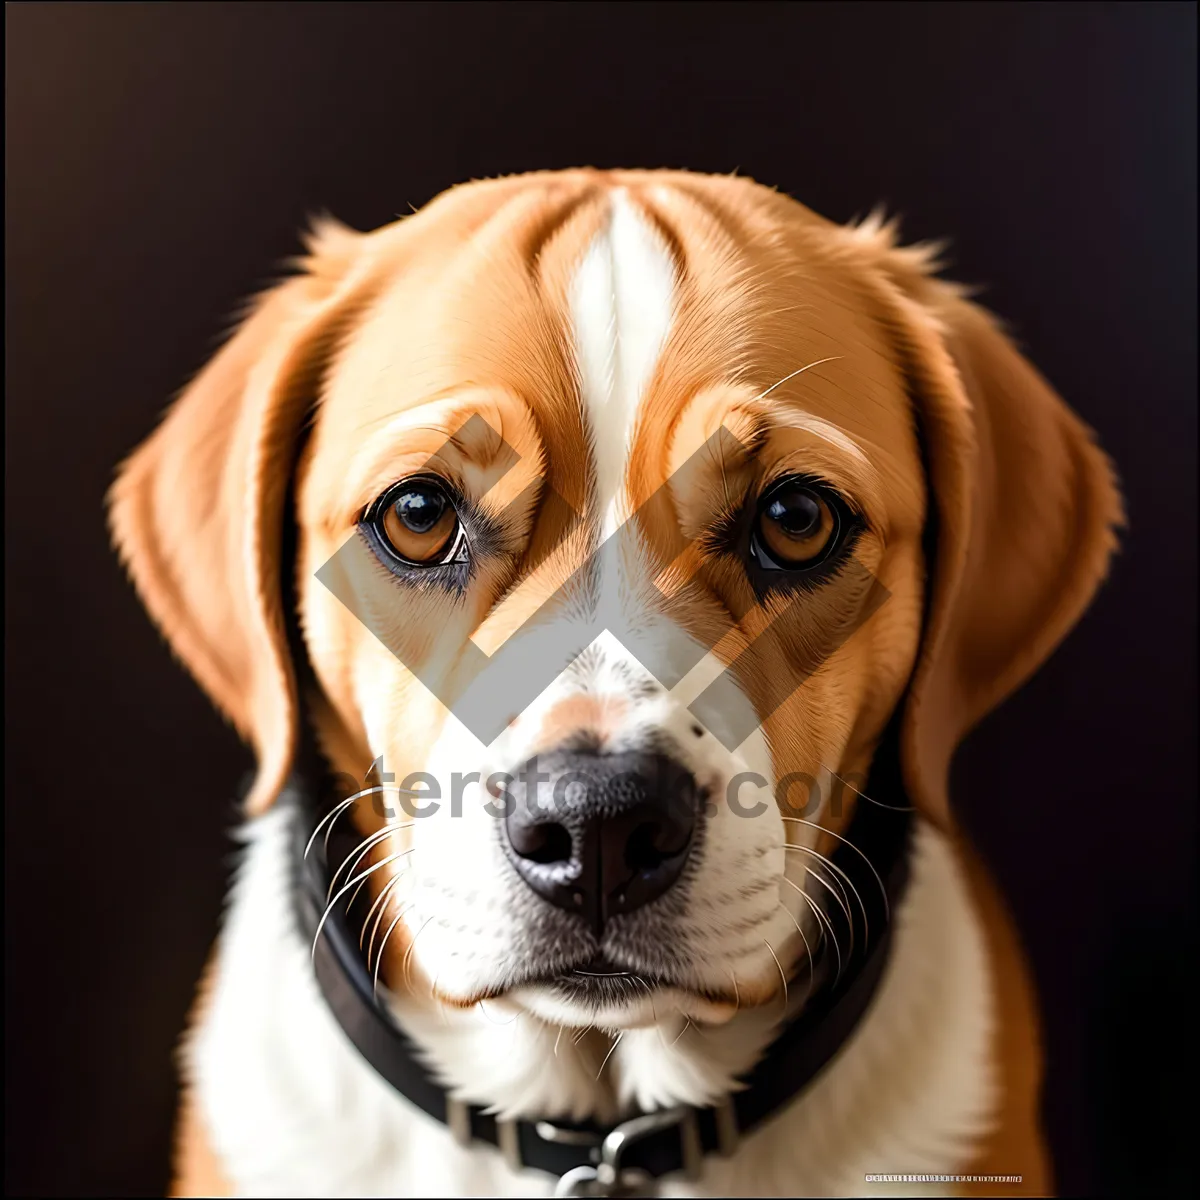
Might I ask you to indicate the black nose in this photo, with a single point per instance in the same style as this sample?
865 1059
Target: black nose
600 834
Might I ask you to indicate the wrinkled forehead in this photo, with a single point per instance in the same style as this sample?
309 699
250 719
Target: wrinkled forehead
597 307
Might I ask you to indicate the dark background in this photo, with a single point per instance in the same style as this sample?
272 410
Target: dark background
160 159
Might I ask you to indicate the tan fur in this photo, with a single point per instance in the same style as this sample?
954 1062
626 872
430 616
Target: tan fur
1016 1145
596 716
196 1169
461 309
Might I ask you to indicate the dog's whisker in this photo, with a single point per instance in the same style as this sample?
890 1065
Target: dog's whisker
649 994
838 899
687 1024
823 922
828 933
822 937
879 803
829 938
838 876
558 1039
650 998
612 1048
379 919
782 973
737 995
579 1036
383 862
482 1006
360 878
331 816
408 952
781 382
362 850
441 1008
354 895
807 948
829 863
847 842
362 884
842 897
369 791
383 946
381 899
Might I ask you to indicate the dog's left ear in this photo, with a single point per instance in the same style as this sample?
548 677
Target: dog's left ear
197 511
1022 508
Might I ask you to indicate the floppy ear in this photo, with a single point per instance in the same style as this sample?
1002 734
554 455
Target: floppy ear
197 511
1022 510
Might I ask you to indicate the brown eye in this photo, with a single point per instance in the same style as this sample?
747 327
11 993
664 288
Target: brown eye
417 521
796 526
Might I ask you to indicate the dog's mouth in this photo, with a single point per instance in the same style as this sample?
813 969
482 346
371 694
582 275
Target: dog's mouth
601 990
604 983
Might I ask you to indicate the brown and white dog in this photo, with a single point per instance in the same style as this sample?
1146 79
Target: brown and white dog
606 326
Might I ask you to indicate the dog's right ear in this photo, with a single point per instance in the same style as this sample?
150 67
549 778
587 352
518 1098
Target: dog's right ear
197 510
1024 509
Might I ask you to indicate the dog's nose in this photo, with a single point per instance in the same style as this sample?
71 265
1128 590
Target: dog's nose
600 834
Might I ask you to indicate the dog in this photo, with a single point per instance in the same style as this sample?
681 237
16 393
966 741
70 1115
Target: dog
703 504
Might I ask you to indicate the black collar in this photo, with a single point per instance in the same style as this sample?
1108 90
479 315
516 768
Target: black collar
593 1159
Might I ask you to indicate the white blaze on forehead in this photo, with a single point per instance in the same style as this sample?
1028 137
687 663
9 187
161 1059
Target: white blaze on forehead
621 305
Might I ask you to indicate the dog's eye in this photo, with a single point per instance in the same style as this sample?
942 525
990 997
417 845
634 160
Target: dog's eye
797 526
416 521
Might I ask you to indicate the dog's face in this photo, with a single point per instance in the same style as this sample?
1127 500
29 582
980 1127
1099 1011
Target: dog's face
615 545
609 338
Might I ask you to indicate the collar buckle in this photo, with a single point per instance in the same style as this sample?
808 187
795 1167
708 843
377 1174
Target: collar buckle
609 1178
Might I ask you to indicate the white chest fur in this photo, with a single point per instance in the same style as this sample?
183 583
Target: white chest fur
292 1109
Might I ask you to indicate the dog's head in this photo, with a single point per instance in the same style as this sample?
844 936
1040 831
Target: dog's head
631 509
